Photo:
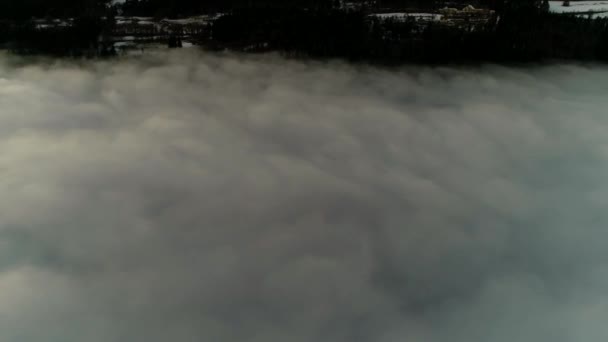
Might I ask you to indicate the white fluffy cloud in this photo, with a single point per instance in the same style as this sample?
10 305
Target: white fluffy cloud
189 197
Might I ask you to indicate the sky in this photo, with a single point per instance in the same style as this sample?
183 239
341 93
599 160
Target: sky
180 196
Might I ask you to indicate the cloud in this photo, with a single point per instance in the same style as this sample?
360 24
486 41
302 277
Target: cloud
192 197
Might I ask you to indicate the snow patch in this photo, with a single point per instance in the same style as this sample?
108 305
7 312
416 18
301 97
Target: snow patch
406 15
578 6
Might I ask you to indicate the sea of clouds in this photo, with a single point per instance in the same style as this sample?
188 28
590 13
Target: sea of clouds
188 197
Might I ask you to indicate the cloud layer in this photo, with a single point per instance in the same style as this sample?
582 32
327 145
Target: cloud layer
186 197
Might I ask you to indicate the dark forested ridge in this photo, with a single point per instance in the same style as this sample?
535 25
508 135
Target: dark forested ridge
505 31
25 9
470 31
515 34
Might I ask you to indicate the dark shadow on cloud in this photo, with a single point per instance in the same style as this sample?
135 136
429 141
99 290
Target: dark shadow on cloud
189 197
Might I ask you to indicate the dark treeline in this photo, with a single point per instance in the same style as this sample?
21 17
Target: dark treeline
81 38
178 8
26 9
182 8
85 21
518 31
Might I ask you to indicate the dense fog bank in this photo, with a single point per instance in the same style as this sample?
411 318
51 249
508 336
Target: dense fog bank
187 197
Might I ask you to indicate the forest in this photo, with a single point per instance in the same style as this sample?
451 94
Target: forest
523 34
518 30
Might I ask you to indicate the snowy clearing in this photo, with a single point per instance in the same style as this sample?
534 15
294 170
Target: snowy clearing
405 15
578 6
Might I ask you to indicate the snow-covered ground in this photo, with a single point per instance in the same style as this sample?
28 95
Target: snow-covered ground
599 15
405 15
204 19
51 23
119 18
578 6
